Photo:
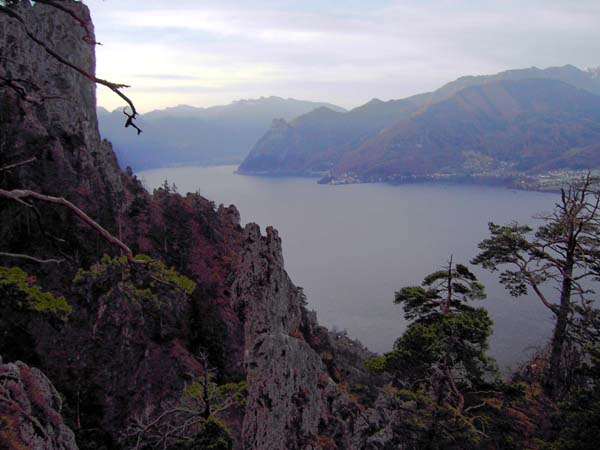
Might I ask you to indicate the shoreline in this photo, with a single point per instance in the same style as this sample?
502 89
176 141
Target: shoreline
551 182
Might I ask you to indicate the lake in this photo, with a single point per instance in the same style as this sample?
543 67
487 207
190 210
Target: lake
351 247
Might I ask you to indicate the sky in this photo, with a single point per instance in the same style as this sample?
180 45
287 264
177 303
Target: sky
205 53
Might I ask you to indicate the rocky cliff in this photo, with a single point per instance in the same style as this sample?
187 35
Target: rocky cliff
300 376
133 335
54 128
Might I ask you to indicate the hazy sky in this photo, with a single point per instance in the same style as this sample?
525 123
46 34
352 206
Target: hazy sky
210 52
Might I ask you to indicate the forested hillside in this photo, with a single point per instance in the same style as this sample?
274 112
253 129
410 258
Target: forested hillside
505 125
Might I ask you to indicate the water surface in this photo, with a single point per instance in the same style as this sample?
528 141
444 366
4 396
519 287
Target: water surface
350 247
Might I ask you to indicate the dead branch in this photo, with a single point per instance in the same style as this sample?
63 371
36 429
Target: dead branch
31 258
23 94
47 235
20 194
22 163
178 419
474 407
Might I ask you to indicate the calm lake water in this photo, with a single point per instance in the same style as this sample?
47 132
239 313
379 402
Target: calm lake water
350 247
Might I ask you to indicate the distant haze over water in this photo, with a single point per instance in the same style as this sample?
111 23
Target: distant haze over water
350 247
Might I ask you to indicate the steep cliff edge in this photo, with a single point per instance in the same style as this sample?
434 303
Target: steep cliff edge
57 131
283 372
135 337
300 376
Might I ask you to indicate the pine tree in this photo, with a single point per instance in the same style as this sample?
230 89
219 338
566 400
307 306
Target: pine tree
444 347
563 252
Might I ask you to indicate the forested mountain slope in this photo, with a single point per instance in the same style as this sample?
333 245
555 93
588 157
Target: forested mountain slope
318 143
520 126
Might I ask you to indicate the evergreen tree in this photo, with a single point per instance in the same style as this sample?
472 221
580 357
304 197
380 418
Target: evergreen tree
444 347
445 390
563 252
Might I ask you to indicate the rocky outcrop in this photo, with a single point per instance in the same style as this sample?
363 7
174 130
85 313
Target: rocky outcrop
58 127
291 362
55 128
114 358
59 118
283 372
30 411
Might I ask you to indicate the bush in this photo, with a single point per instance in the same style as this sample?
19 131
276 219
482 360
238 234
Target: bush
22 302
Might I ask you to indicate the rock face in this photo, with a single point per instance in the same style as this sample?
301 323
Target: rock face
123 352
30 410
122 357
60 119
283 372
57 128
291 362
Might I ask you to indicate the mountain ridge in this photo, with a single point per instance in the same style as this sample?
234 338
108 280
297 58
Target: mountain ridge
186 134
514 122
189 110
307 149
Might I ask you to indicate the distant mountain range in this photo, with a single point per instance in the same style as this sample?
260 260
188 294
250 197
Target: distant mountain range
518 121
186 135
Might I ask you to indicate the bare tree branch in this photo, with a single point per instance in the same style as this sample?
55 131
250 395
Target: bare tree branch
564 250
178 420
20 194
17 87
21 163
31 258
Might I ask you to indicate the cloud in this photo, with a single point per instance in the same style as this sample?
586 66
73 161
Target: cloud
166 76
384 48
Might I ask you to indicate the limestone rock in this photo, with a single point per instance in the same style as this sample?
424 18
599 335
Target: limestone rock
30 409
293 401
